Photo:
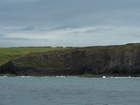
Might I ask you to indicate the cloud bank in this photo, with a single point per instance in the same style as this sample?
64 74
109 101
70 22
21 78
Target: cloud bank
68 22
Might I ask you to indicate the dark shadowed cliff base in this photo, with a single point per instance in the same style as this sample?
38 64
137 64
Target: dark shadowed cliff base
121 60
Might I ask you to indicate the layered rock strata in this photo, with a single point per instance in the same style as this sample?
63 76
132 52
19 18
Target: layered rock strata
123 59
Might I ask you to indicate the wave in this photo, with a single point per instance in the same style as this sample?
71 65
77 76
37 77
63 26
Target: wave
3 76
24 76
60 76
121 77
104 77
124 77
117 77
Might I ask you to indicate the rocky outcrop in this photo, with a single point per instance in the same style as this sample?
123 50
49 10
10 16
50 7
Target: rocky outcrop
124 59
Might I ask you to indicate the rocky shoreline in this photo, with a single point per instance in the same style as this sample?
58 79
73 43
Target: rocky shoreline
121 60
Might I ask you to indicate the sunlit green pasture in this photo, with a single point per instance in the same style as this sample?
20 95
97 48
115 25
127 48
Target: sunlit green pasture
7 54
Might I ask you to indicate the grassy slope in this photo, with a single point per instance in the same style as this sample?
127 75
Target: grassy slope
7 54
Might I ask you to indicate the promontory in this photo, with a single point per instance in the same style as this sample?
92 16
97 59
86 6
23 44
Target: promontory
96 60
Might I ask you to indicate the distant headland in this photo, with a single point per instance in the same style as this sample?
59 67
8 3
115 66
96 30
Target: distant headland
96 60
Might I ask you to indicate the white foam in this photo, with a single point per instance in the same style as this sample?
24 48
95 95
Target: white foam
121 77
60 76
3 76
104 77
22 76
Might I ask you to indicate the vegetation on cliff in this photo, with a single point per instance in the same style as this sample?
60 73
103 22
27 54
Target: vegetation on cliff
121 59
7 54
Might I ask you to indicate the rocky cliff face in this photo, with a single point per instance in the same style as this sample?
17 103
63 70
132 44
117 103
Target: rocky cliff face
123 59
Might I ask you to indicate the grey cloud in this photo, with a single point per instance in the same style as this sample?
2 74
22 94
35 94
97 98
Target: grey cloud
58 28
44 16
92 31
22 39
97 30
135 35
17 29
27 29
64 28
69 12
16 1
11 38
17 42
75 32
1 35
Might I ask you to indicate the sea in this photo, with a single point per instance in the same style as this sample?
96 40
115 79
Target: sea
71 90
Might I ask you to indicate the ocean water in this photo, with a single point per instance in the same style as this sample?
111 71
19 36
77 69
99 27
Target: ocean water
69 91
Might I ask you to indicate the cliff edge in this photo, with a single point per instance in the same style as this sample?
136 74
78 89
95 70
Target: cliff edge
121 59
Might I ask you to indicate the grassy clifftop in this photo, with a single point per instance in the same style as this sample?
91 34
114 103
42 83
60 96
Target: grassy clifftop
7 54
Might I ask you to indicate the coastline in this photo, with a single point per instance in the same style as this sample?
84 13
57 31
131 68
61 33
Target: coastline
96 61
80 76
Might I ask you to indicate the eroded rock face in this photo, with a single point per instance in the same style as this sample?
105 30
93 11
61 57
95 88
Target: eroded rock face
123 59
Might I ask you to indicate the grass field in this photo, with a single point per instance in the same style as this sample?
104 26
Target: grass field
7 54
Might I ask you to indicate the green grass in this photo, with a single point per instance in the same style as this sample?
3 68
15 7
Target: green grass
7 54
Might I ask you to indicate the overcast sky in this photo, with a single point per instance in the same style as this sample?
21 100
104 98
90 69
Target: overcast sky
69 22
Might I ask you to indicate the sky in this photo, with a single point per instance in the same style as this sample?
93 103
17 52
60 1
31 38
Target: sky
76 23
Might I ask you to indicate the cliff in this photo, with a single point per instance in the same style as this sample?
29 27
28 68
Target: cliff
121 59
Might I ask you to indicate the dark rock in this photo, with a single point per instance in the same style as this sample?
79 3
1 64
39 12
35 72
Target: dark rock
124 59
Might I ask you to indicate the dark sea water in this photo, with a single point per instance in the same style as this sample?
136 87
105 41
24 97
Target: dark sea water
69 91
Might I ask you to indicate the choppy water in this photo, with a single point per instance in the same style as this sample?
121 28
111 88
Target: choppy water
69 91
